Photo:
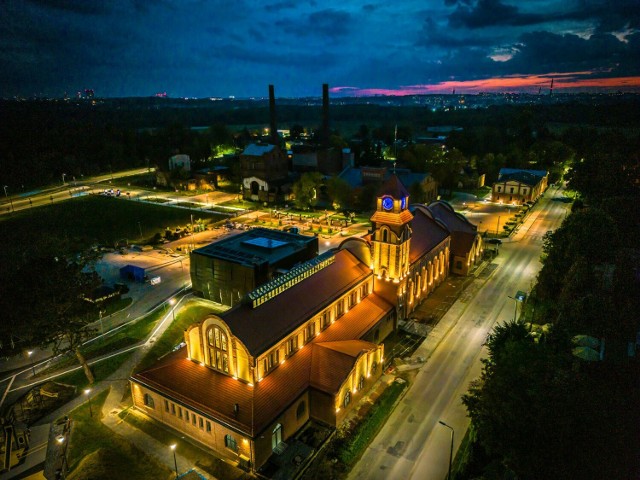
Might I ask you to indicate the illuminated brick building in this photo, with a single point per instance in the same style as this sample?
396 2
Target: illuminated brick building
305 345
518 186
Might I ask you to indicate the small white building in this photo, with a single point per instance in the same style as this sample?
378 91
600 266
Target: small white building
180 162
517 186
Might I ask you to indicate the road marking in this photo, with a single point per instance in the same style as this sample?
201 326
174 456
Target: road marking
7 390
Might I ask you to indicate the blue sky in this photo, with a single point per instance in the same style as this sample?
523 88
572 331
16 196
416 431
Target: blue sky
222 48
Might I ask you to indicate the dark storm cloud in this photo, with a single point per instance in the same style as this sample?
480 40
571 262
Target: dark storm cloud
217 47
609 16
83 7
328 22
276 7
540 52
434 36
487 13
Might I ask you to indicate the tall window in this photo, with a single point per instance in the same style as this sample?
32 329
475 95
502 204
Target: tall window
352 299
271 360
365 290
339 308
230 443
292 345
301 410
325 319
309 331
218 349
347 398
148 401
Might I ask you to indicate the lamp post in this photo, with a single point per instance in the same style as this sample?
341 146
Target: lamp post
65 464
63 175
172 302
451 449
519 298
175 460
87 392
33 366
7 196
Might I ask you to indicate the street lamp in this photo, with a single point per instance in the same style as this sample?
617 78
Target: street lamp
63 175
65 464
175 460
451 450
87 392
172 302
33 366
519 298
7 196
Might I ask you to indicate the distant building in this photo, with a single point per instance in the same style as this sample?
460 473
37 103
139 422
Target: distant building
227 270
518 186
316 158
306 345
264 173
358 177
180 162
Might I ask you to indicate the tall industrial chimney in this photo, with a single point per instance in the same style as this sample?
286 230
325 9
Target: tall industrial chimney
273 126
325 114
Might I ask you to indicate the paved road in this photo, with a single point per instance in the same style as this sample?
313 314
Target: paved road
69 189
412 445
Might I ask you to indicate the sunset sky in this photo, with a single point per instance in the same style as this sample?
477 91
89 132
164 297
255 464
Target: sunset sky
223 48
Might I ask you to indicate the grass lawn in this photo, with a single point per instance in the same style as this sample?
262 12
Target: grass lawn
75 225
124 337
101 370
358 440
117 305
214 466
95 451
192 312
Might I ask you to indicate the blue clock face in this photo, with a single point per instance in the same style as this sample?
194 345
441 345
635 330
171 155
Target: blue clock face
387 203
403 203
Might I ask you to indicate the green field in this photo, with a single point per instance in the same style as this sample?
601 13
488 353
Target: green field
96 451
75 225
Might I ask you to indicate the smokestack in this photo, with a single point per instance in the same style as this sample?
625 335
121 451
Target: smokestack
273 126
325 114
551 89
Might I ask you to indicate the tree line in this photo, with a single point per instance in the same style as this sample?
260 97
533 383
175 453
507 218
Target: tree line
539 409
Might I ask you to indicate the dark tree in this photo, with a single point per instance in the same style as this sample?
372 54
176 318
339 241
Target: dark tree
45 303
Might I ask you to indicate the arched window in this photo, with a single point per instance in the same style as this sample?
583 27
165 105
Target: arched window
230 443
347 398
385 235
361 382
374 367
301 410
218 349
148 401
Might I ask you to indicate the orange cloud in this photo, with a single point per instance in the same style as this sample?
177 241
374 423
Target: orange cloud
512 83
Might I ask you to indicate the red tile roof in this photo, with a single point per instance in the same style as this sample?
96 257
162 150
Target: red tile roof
215 394
260 328
391 218
426 235
463 232
332 362
455 222
393 187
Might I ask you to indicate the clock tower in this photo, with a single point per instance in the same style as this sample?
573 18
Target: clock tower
391 231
